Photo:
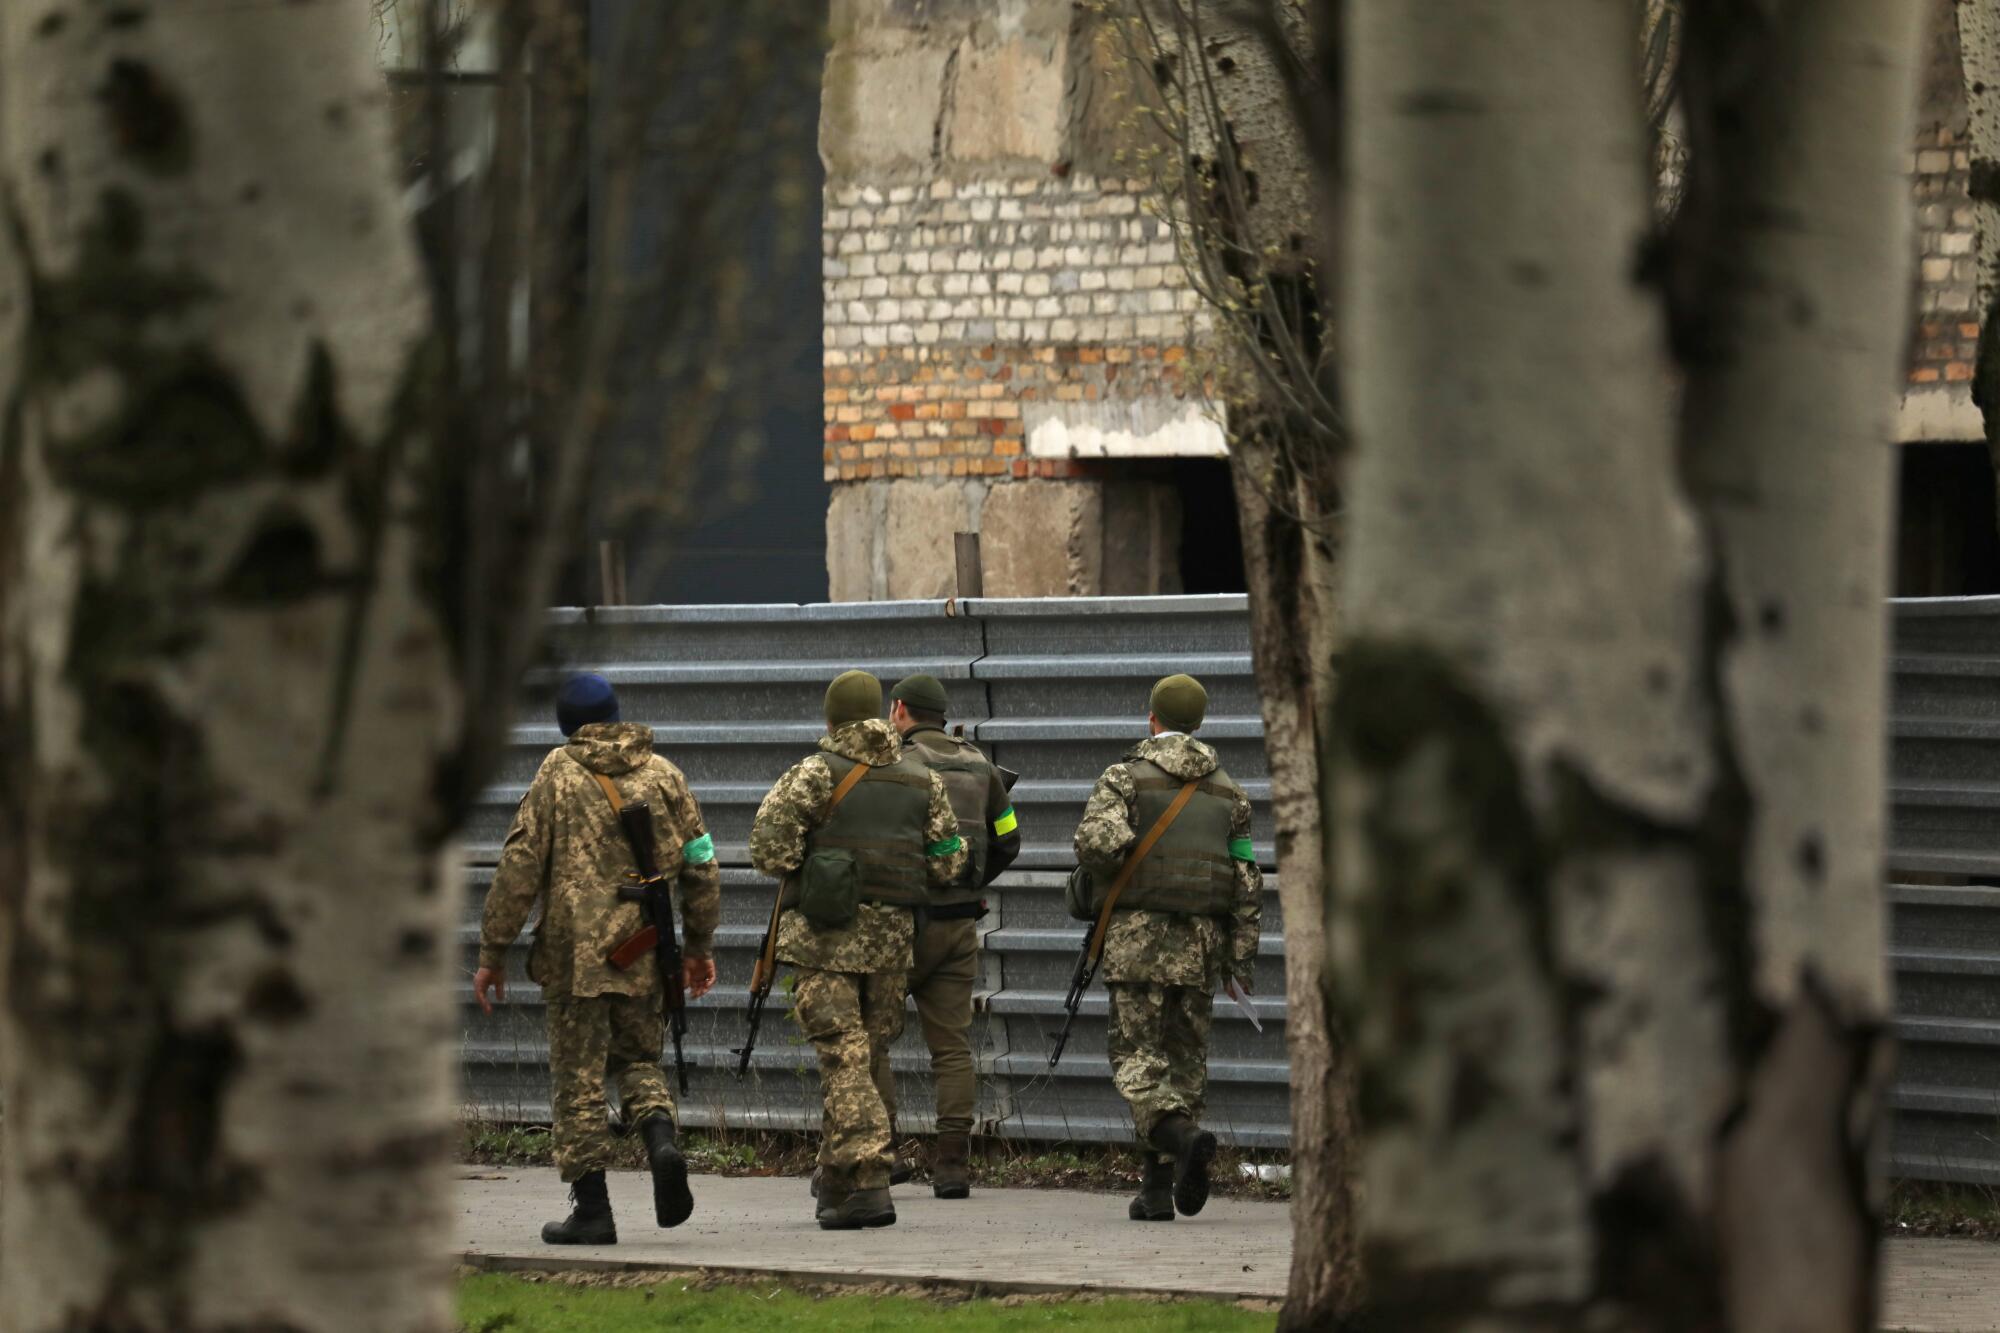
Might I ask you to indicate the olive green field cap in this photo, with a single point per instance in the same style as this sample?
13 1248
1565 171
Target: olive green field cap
1180 703
854 696
922 691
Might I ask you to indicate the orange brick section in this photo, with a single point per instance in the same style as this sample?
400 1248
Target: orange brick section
955 410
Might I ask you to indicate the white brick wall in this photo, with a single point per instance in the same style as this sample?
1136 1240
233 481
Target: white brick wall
1071 260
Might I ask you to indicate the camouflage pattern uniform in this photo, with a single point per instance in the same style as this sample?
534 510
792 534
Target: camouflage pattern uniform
1163 969
567 850
851 982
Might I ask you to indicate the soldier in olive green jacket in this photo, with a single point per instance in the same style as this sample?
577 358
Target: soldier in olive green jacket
1184 927
879 851
946 955
567 851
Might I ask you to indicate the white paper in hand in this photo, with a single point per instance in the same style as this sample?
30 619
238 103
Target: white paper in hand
1236 992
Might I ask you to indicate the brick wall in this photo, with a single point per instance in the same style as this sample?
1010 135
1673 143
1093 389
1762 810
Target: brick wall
955 308
1947 332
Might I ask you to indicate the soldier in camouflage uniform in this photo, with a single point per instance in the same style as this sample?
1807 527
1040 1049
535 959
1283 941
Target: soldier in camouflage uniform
946 957
895 829
567 850
1185 925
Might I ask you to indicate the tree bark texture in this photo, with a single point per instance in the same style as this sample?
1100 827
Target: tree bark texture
1797 238
1605 775
225 1026
1293 629
1979 56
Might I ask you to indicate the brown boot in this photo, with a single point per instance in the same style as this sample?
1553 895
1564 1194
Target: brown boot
851 1212
951 1166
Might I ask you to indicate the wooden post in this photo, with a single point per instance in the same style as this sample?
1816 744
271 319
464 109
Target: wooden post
611 573
971 580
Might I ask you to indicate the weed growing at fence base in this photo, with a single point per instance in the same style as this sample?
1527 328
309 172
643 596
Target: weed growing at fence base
1926 1208
492 1302
997 1163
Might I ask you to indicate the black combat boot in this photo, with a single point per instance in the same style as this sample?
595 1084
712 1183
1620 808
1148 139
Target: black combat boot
1192 1149
672 1201
851 1212
589 1223
951 1166
1155 1202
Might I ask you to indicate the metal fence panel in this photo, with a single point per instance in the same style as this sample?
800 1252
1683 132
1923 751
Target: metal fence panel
1056 689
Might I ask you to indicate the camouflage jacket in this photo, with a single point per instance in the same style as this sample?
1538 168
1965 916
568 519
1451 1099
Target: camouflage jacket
1160 947
567 850
880 938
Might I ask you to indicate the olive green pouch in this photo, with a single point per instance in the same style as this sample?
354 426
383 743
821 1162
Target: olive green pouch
830 889
1080 895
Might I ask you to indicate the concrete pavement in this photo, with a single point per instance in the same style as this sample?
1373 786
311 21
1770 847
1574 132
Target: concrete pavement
1034 1240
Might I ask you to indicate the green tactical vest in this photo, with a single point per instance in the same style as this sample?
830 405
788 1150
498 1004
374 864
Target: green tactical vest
966 773
881 824
1188 871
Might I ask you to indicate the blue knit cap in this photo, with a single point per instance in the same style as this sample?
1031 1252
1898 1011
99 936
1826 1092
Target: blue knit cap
584 698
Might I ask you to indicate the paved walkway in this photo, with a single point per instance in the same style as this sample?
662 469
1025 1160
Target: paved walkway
1035 1240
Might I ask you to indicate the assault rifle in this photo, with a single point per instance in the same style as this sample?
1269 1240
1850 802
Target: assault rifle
762 973
656 906
1087 960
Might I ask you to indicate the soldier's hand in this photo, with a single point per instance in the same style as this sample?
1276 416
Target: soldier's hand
489 979
697 976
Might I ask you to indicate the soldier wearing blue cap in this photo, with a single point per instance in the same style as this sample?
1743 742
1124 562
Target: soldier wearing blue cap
567 850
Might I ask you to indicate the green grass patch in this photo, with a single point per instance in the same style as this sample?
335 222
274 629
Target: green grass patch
499 1303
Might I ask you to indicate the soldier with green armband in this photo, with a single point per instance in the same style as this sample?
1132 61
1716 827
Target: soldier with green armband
860 836
1165 846
946 962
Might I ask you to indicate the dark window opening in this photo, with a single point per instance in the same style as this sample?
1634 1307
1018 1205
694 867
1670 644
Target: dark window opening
1211 536
1947 536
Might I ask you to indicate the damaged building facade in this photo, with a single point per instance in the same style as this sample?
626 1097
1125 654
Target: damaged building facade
1008 327
1008 333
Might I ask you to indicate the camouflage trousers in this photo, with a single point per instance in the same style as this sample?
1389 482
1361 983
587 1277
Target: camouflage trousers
941 979
849 1017
1159 1050
590 1037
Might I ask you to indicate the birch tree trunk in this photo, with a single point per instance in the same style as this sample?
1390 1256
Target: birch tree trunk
1797 235
1979 56
1293 630
1519 762
1606 780
224 693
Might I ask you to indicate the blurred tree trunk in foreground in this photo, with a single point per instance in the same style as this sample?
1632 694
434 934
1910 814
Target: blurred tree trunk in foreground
225 686
1605 782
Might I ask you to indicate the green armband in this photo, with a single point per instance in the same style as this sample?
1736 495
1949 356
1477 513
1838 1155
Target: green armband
1241 850
945 848
699 852
1005 824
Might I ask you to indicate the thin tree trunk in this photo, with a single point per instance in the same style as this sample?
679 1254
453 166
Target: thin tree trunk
1979 55
1797 232
1292 632
224 690
1518 765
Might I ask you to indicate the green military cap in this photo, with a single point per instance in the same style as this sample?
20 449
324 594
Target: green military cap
1180 703
854 696
922 691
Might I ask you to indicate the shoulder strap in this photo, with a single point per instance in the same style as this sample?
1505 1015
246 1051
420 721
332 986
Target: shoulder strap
847 784
1131 866
610 791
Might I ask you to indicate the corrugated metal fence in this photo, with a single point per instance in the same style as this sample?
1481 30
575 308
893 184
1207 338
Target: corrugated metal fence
1056 689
